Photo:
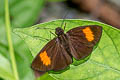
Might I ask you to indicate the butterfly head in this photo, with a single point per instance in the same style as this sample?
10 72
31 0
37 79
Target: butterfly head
59 31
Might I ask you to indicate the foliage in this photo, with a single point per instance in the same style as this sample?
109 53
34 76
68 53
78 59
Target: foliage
20 13
103 63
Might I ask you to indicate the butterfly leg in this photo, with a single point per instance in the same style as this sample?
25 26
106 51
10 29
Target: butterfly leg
64 26
44 28
53 34
50 36
41 38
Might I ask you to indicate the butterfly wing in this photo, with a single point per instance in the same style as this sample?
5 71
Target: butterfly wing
52 57
82 39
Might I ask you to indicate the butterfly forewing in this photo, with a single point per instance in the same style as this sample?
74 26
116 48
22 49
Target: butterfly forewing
88 35
52 57
82 39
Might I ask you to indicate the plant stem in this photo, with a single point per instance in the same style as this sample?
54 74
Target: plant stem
11 49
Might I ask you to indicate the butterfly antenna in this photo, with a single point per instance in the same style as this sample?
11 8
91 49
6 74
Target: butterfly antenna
64 18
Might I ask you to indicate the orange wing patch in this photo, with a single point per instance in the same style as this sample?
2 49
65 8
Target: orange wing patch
88 34
45 59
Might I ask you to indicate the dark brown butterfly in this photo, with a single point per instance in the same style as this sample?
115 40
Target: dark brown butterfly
58 53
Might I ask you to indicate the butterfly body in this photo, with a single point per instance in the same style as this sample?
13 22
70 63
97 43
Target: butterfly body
58 53
62 39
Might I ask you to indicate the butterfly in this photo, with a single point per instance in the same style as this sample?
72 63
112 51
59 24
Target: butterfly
58 53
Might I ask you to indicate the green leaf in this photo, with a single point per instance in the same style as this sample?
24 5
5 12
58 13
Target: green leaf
22 53
23 59
23 13
5 69
20 13
104 62
23 62
46 76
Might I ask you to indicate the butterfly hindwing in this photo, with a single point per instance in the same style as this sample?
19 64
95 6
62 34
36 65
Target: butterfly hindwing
82 39
52 57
